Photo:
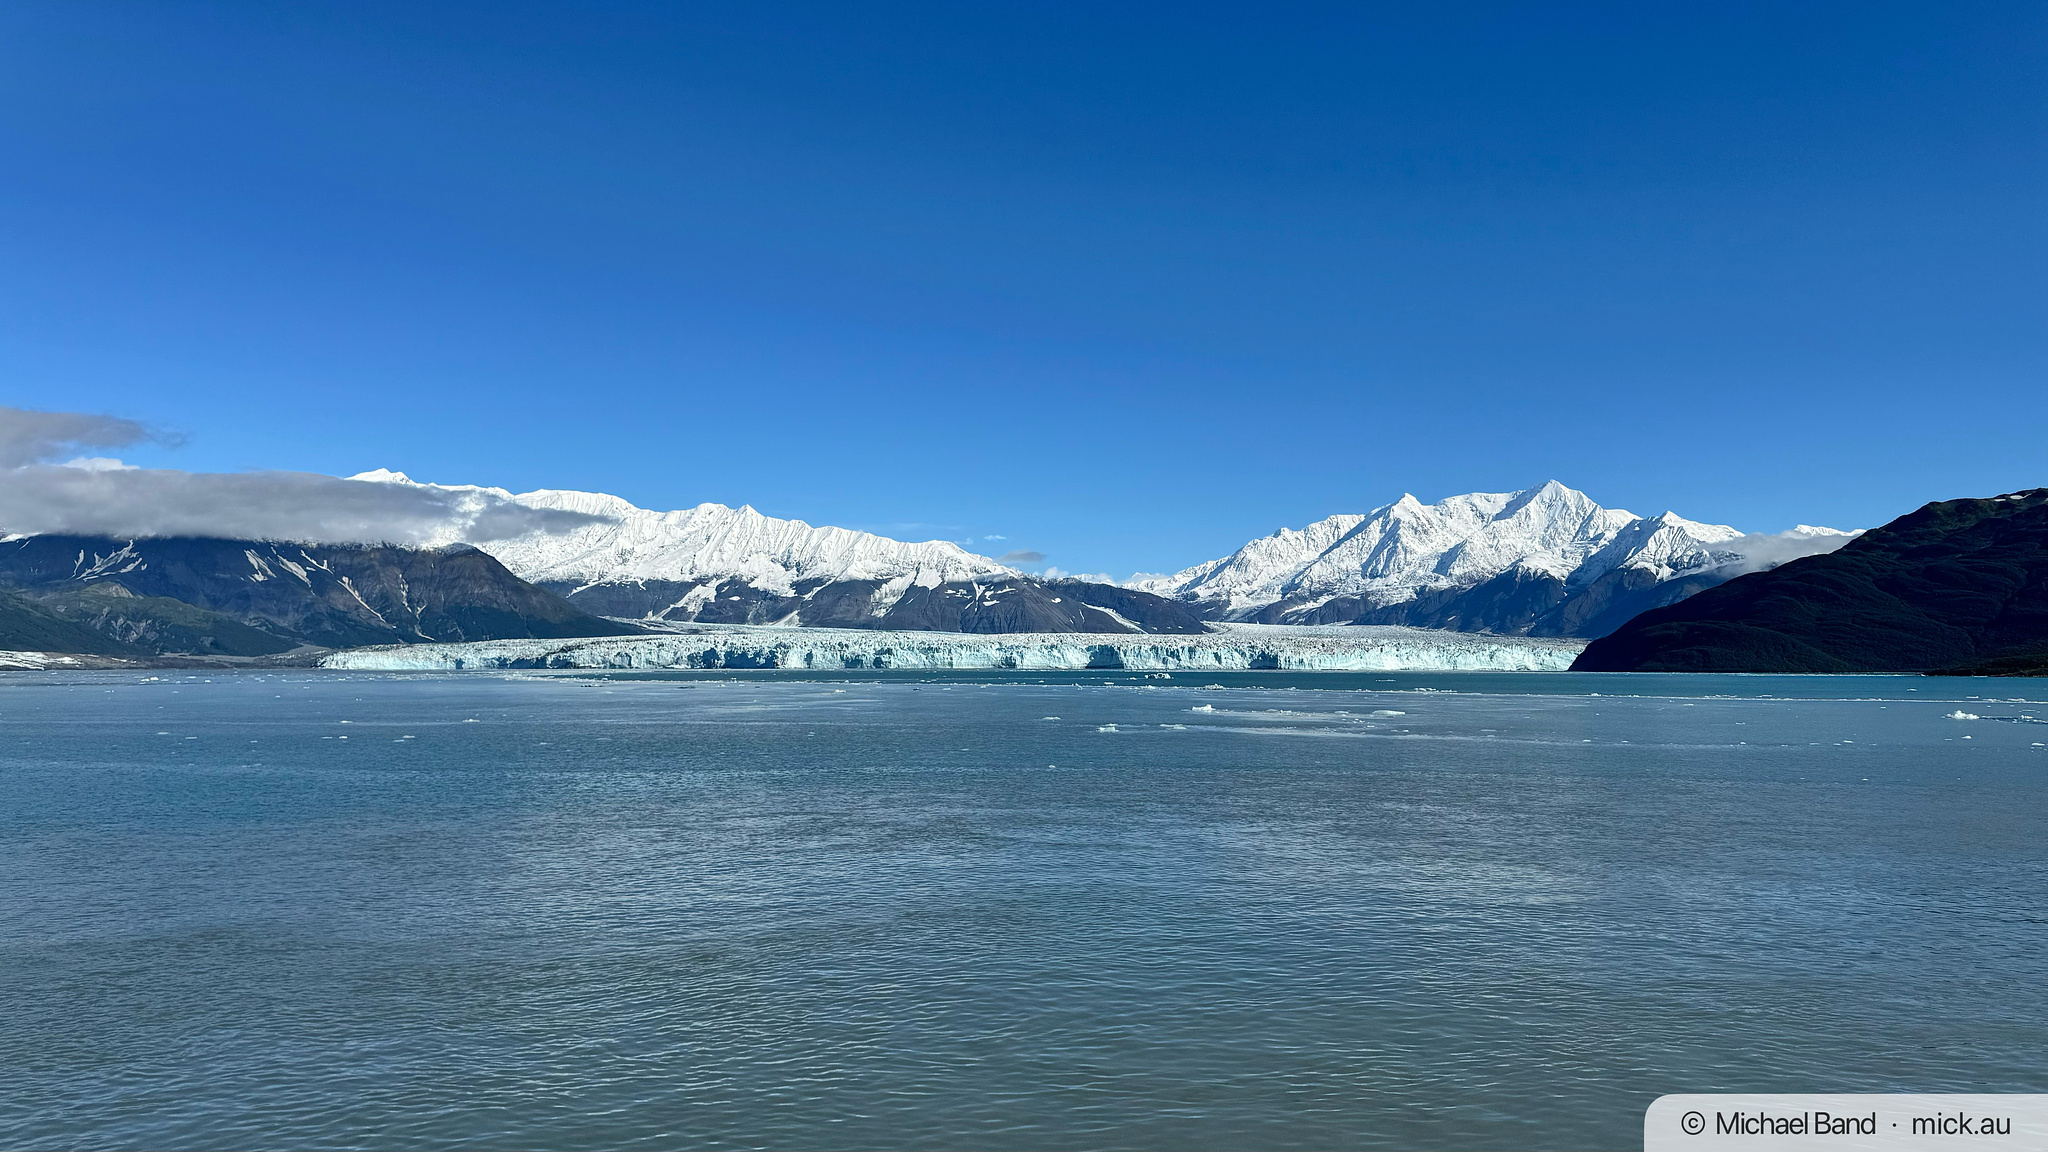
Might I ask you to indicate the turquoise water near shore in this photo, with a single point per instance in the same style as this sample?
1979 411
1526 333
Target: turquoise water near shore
917 910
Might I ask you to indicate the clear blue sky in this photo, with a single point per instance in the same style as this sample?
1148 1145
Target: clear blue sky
1127 285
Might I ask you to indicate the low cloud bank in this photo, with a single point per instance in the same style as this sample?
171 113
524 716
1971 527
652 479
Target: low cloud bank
1057 573
1762 550
298 506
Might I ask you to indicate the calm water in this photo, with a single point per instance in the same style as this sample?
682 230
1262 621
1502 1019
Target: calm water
324 911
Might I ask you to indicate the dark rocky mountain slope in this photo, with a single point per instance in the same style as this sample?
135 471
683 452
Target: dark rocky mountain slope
1957 586
1518 602
245 598
985 605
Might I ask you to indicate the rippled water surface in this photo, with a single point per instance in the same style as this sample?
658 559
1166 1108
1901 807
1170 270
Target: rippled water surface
1251 911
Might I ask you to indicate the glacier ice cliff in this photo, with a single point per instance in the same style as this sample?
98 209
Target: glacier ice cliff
1231 647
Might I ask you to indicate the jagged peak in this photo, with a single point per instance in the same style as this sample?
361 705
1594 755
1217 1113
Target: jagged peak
1407 547
1407 507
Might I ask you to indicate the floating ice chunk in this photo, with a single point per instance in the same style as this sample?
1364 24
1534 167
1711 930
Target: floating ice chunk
1106 728
1203 708
1959 714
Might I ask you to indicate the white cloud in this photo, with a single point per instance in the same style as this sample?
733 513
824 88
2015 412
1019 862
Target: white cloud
42 499
1057 573
103 496
1764 550
28 436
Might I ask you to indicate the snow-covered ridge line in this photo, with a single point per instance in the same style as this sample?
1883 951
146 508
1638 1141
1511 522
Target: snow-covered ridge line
1233 647
628 543
1406 549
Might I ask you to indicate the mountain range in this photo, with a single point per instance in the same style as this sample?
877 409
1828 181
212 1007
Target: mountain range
718 565
1546 561
248 599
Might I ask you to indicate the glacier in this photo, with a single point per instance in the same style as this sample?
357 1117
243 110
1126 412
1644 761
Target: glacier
1348 648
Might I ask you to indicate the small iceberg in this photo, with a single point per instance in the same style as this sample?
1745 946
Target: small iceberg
1959 714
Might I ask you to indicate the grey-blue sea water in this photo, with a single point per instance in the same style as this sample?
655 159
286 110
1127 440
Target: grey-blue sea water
313 910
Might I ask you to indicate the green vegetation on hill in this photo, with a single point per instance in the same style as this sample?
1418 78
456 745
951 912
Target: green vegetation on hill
27 626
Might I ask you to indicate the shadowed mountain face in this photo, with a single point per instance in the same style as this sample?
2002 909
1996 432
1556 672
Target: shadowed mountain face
1516 602
215 597
1958 586
989 605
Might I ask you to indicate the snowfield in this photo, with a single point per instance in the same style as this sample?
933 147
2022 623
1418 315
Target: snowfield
1232 647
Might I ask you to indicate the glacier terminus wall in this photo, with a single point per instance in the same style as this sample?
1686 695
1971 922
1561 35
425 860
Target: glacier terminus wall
1231 647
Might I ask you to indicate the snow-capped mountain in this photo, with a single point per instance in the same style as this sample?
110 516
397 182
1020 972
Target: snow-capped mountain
1545 561
628 543
717 564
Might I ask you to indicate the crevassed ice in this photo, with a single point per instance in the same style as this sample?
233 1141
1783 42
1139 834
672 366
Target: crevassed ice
1241 646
